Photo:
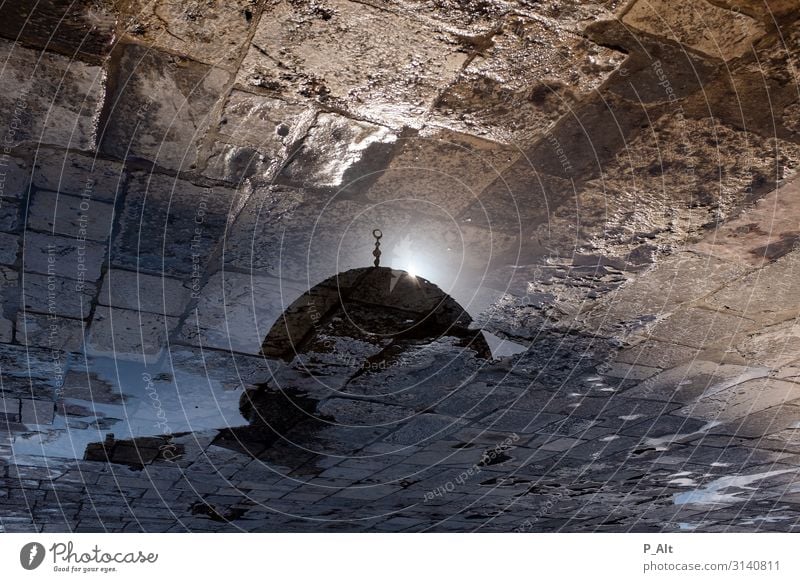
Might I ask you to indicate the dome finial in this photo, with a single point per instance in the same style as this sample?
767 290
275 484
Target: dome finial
377 252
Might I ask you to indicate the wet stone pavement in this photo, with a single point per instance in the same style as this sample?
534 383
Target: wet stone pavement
572 434
586 314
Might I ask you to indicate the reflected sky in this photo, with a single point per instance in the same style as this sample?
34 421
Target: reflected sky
157 399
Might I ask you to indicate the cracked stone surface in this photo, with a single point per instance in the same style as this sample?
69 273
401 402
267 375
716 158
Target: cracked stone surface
57 103
168 225
331 53
162 108
84 29
530 75
585 314
699 25
70 215
201 30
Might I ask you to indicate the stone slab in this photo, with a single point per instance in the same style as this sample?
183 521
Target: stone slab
57 295
51 99
9 248
79 175
62 256
52 332
143 292
709 29
235 311
336 54
170 226
15 176
161 108
128 335
69 215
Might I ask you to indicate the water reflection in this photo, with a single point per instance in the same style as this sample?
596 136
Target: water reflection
130 399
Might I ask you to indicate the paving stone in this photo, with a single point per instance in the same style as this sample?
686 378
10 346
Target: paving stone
161 107
217 365
82 29
6 330
37 411
759 235
268 124
635 203
425 427
9 214
62 256
303 39
255 240
512 98
9 291
555 444
678 280
69 215
49 331
763 292
336 151
763 423
235 311
127 334
9 248
57 295
463 167
15 176
238 164
742 399
9 408
593 242
629 371
366 494
648 76
657 354
756 9
143 292
774 347
476 400
689 381
293 234
31 372
468 18
33 81
79 175
712 30
701 328
210 33
170 226
360 413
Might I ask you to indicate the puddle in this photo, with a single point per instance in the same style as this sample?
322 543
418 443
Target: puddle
502 348
682 479
768 519
661 443
716 492
154 399
750 374
683 482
